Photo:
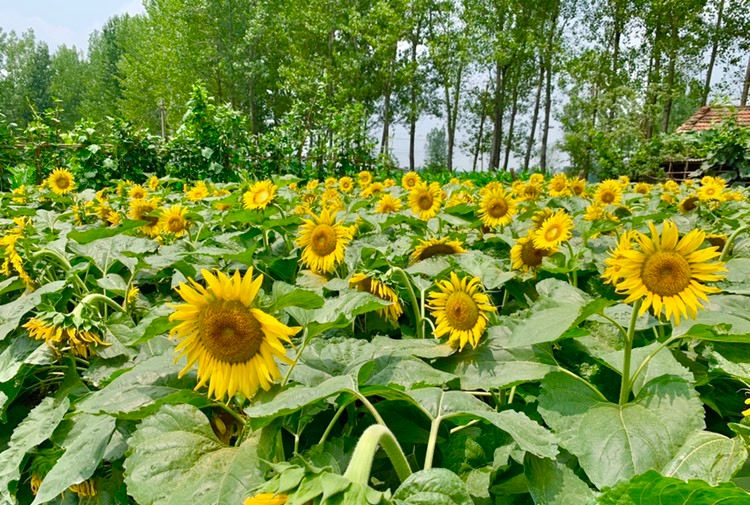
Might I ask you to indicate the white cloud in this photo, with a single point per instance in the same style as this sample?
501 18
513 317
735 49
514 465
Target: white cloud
53 34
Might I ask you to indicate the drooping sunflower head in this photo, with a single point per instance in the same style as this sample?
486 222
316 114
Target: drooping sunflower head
718 240
525 256
259 195
234 344
689 203
555 230
324 240
425 200
382 290
558 186
82 342
436 247
137 192
461 310
173 221
388 204
61 181
266 499
667 273
85 489
410 180
497 208
608 192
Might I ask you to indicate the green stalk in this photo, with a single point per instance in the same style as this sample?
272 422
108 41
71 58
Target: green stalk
730 241
418 318
627 352
374 437
305 341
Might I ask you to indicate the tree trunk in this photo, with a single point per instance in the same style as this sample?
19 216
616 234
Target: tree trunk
386 120
653 84
452 110
513 111
413 99
497 129
667 111
534 115
714 51
547 95
746 87
482 117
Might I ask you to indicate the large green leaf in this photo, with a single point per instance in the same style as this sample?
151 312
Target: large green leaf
440 405
403 372
436 486
337 312
84 237
84 447
730 359
652 488
553 483
123 248
175 458
559 307
143 389
14 356
33 430
12 313
725 319
615 442
485 267
708 456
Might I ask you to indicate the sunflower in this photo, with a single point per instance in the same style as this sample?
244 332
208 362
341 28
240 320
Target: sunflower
718 240
85 489
234 344
555 230
577 186
259 195
137 192
711 189
460 310
364 178
266 499
153 182
197 192
324 240
383 291
612 270
536 179
388 204
496 208
425 200
330 182
667 273
525 256
144 210
389 183
608 192
670 186
746 412
558 186
529 191
436 247
346 184
643 188
19 194
312 184
374 188
540 217
688 204
172 220
410 180
81 342
61 181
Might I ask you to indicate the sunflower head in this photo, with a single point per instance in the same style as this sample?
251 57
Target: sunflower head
61 181
536 178
425 200
555 230
643 188
666 272
324 241
718 240
146 210
711 190
558 186
382 290
436 247
388 204
364 178
688 204
577 186
608 192
173 221
137 192
235 344
197 192
461 310
85 489
266 499
346 184
410 180
81 341
259 195
496 208
525 256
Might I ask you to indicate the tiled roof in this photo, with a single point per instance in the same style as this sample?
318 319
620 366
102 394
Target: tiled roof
707 117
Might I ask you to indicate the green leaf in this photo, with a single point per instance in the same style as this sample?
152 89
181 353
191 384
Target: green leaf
123 248
436 486
404 372
731 359
143 389
559 307
84 447
12 313
708 456
14 356
553 483
657 489
420 348
724 320
615 442
485 267
530 436
33 430
286 295
84 237
337 312
175 458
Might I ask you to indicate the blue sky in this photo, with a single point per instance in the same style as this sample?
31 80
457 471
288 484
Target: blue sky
58 22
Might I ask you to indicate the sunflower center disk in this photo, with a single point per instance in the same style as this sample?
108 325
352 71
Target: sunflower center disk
666 273
261 197
425 201
608 197
436 250
461 311
498 208
323 240
531 256
175 224
62 182
552 233
230 332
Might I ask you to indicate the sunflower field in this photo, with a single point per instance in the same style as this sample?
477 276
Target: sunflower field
366 341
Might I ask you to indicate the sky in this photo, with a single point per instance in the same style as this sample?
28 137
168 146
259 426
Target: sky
70 22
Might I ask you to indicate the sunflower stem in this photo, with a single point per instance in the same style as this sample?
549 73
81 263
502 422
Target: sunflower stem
416 306
333 422
627 354
432 442
374 437
651 355
730 242
305 341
